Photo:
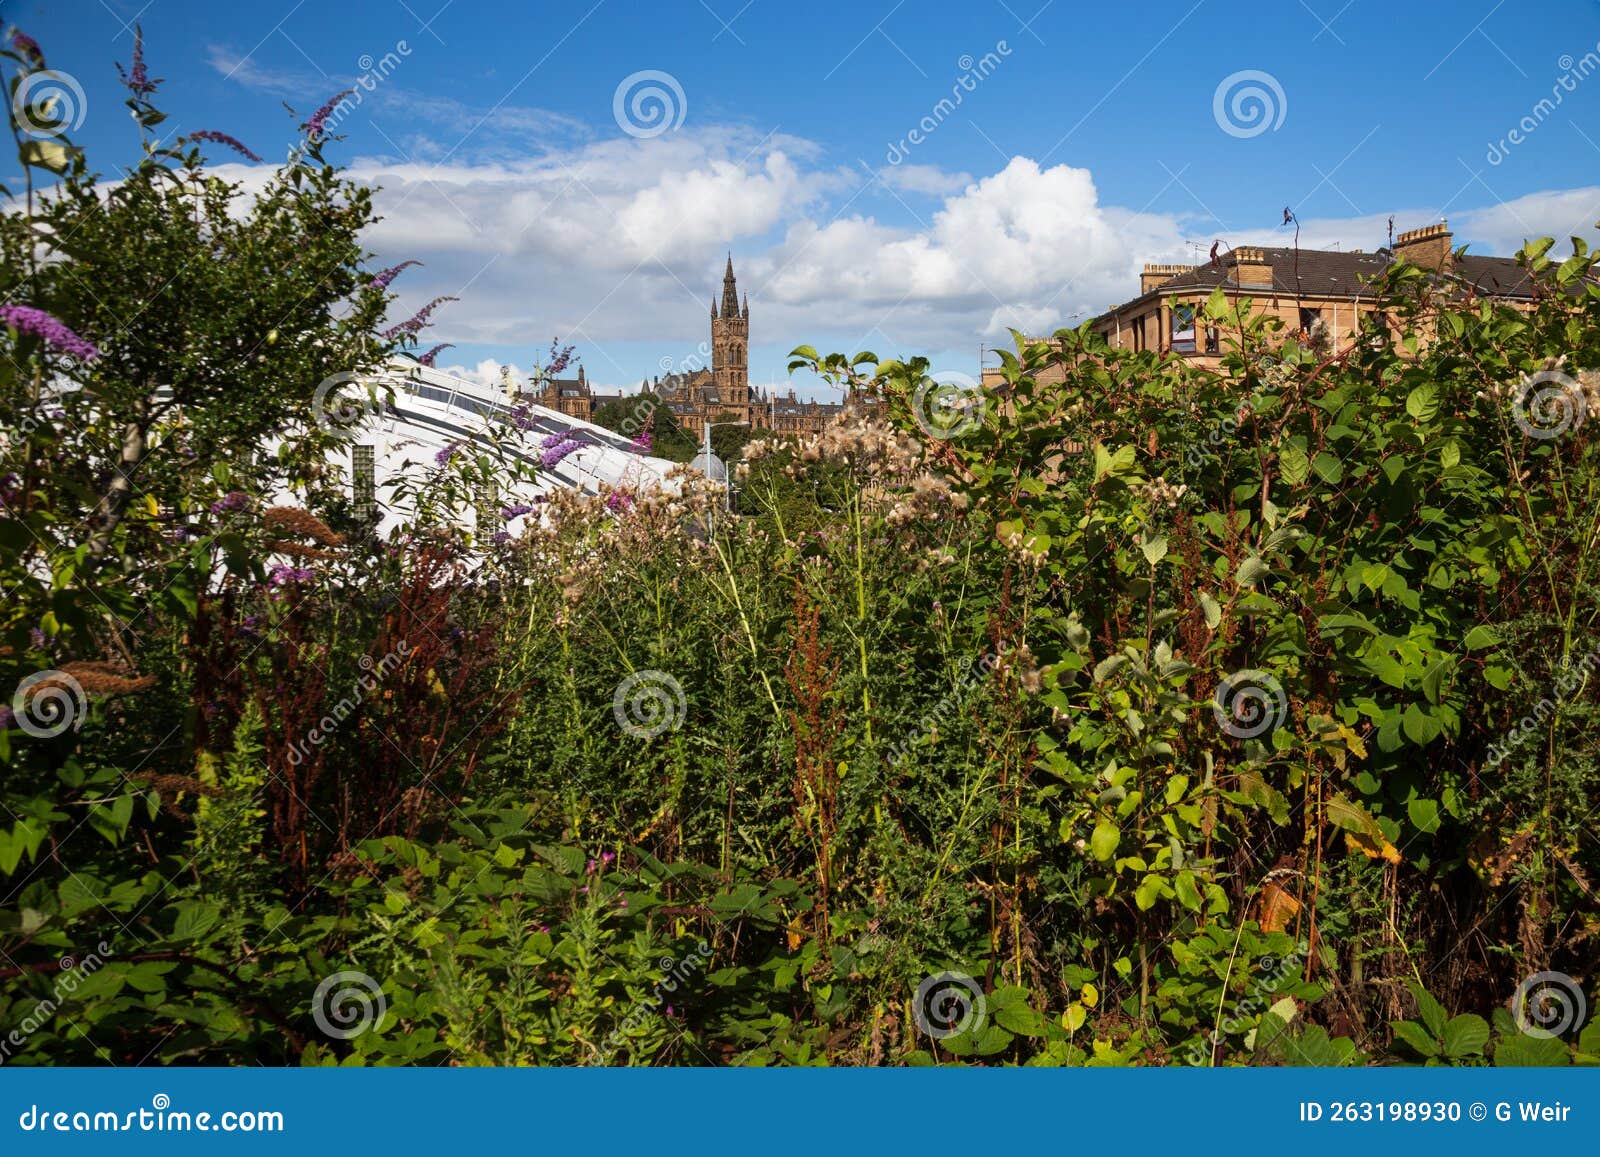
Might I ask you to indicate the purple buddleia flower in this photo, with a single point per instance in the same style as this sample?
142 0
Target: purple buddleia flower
642 442
382 278
223 139
427 358
137 78
231 501
26 44
415 324
619 500
286 575
26 319
442 458
314 126
555 452
517 511
500 538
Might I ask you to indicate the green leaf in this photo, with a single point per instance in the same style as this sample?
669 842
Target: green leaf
1103 843
1108 464
1155 549
1328 468
1524 1051
1250 571
51 155
1432 1012
1422 403
1416 1037
1424 814
1420 727
1020 1019
1212 611
1465 1035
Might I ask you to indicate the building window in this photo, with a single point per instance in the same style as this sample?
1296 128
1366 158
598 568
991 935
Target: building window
364 483
488 506
1182 329
1138 335
1309 317
1213 340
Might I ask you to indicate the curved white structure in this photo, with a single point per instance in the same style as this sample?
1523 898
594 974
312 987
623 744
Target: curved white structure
395 447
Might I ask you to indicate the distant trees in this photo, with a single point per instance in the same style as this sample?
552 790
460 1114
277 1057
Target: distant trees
642 413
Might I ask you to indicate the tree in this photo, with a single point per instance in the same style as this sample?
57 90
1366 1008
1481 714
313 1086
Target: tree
645 413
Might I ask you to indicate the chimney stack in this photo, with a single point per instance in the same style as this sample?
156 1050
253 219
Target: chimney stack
1157 275
1426 248
1252 268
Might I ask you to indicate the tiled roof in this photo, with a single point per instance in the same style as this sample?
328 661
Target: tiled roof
1326 273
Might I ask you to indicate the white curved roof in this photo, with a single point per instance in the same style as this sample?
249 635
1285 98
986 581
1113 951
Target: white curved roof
430 410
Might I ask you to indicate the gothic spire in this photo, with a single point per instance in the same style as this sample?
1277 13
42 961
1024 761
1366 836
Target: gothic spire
730 292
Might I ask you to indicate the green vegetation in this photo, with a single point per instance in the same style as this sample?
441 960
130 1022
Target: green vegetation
1160 717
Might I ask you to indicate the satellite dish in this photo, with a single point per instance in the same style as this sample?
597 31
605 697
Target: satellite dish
711 466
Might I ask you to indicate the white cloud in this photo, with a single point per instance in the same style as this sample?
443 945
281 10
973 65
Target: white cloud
617 243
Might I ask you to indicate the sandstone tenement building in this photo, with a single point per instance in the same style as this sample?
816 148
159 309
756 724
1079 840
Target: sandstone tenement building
721 393
1309 289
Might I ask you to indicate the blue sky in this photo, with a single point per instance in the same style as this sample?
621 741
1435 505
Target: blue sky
1087 139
